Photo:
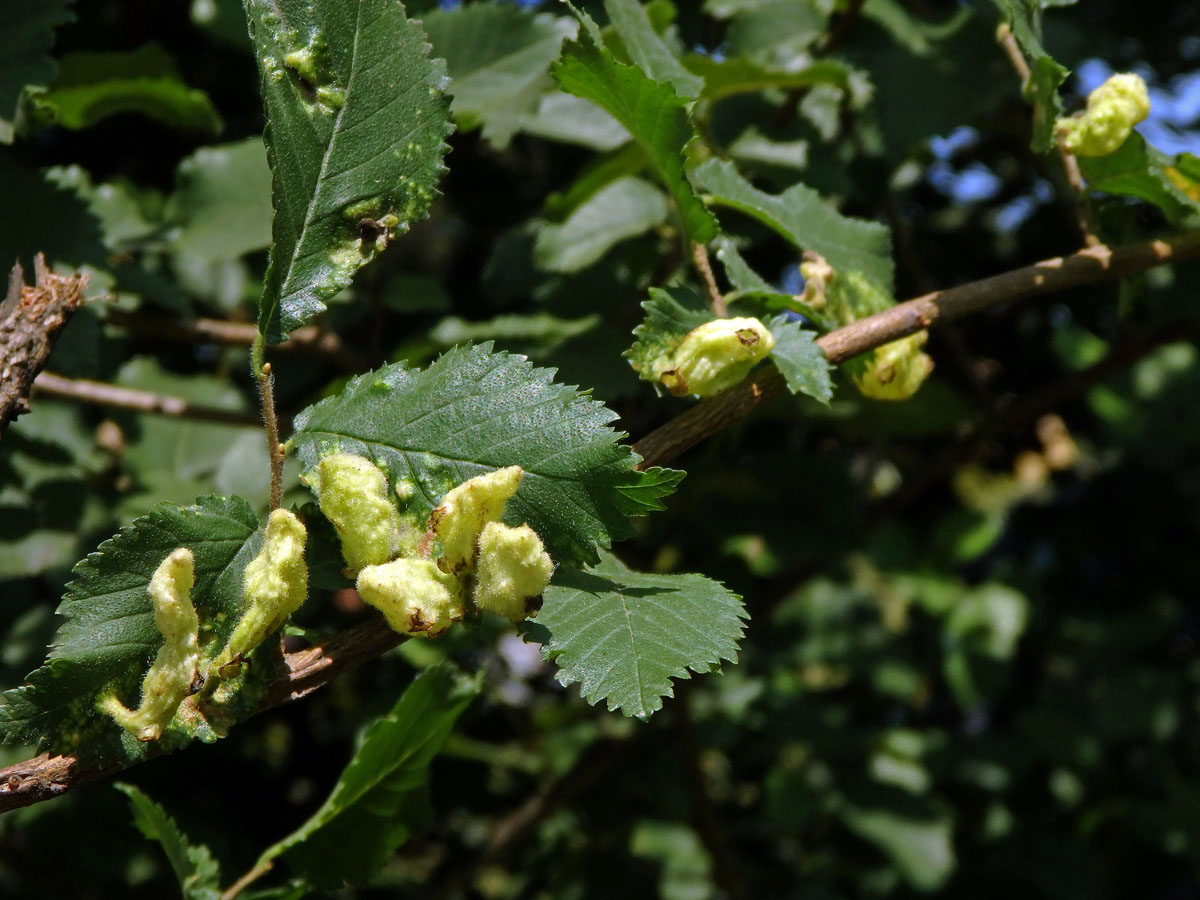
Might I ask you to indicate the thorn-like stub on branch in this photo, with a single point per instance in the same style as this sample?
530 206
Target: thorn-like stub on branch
30 320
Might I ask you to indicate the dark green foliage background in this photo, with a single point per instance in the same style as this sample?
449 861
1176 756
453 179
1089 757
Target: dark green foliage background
929 698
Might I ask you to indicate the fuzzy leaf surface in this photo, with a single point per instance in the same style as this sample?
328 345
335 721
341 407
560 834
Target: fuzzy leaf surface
26 36
498 57
800 361
473 411
109 629
802 217
624 635
648 109
356 122
382 793
199 874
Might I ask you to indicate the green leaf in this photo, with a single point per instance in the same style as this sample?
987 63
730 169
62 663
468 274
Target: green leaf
648 50
93 86
26 36
624 635
777 32
1024 17
651 112
739 75
376 803
670 314
801 362
800 215
625 208
473 411
737 270
541 329
109 632
498 57
920 847
1136 169
573 120
198 872
356 122
222 201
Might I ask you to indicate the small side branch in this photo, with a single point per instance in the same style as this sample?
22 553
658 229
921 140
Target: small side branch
704 267
31 317
275 452
310 339
1087 266
1016 58
100 393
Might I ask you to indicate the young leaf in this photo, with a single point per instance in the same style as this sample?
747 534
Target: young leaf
498 57
800 215
473 411
799 360
649 109
670 314
198 872
648 50
356 121
376 802
623 209
1024 17
26 36
109 630
737 270
93 86
1136 169
623 635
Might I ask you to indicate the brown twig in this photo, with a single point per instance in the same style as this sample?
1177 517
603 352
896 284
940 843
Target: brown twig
303 672
47 384
275 451
704 267
310 339
1087 266
31 317
231 892
1008 43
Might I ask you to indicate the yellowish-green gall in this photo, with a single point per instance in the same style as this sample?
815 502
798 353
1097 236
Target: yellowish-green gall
716 356
172 675
512 570
414 595
894 371
1112 111
353 493
466 509
274 585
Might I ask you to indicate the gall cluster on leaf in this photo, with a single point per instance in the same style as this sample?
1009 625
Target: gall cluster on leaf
1112 111
421 587
173 674
716 356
